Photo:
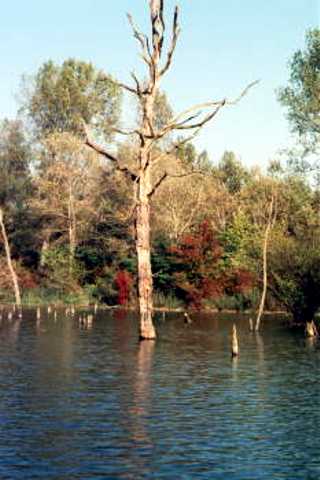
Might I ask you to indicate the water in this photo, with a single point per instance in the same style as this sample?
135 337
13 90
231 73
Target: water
93 403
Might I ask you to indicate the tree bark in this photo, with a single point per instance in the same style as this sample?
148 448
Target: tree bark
145 283
44 248
72 230
9 261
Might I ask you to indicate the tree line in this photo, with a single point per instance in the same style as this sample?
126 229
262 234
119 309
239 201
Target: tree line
77 183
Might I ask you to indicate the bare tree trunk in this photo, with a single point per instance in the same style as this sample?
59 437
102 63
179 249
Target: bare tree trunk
265 265
44 248
72 230
145 284
9 262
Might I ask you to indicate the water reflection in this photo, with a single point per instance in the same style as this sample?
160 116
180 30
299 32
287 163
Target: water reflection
140 411
9 330
94 403
260 349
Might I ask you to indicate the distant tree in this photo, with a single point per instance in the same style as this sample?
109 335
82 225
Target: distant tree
295 277
15 186
65 193
301 96
61 97
232 173
163 111
180 204
15 160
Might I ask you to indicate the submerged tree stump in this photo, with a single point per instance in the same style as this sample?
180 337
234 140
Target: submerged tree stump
235 344
250 324
311 329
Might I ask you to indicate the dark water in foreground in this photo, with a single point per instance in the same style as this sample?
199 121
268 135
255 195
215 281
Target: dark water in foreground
94 404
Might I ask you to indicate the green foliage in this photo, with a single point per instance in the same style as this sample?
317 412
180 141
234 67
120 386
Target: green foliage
169 301
239 301
163 266
15 159
239 243
45 296
190 158
65 95
16 190
295 277
187 153
163 110
232 173
62 272
302 95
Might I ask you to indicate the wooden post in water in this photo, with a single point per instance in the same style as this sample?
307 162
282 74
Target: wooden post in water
38 313
311 329
235 344
250 324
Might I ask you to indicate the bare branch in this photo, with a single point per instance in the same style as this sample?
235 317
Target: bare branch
243 93
174 39
192 212
138 86
158 27
181 123
102 151
171 175
201 123
175 147
125 132
143 40
185 140
185 174
217 103
157 184
124 86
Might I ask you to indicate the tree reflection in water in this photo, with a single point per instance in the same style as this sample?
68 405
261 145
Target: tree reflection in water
140 410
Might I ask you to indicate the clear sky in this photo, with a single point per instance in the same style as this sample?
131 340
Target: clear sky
224 45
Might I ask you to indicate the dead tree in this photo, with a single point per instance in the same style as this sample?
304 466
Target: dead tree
270 221
149 155
12 271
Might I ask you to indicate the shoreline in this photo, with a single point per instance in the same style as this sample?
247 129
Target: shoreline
133 309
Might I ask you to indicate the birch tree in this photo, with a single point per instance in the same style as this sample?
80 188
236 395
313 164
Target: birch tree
145 175
271 215
11 268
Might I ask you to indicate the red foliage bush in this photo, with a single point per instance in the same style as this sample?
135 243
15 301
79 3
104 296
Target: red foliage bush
202 273
123 281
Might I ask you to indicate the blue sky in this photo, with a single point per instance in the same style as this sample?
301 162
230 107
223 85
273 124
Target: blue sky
224 45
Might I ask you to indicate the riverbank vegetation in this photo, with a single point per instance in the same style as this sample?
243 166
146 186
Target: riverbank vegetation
223 234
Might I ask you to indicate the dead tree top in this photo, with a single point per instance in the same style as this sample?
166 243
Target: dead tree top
158 63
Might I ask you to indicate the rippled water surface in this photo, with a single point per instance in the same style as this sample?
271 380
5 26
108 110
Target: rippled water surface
78 403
